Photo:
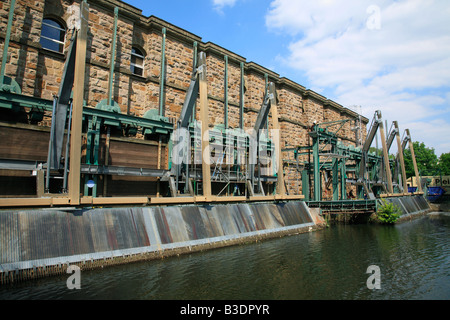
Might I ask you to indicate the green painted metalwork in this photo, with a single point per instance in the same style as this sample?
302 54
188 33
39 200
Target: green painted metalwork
108 105
194 67
342 168
316 164
162 73
113 56
226 93
7 83
241 100
17 101
325 144
344 205
6 43
92 152
305 184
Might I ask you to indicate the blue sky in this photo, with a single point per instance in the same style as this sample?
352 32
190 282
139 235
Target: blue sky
386 55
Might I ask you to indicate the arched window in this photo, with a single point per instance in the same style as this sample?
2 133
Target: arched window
53 35
137 62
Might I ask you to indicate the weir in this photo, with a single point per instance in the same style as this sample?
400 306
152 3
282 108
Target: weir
409 205
186 181
37 243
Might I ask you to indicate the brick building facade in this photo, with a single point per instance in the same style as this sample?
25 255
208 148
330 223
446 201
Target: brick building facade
38 70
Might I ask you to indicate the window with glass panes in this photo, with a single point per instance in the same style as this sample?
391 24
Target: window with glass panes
137 62
53 35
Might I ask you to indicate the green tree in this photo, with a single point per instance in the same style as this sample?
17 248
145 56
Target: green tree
426 160
444 164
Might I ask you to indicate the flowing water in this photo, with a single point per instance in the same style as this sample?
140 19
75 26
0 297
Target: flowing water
413 259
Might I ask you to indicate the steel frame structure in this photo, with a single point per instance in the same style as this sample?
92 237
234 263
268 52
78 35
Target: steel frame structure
68 107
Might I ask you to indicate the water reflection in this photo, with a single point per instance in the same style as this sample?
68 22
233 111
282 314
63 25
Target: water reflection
414 259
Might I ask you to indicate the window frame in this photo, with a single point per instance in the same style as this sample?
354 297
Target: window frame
134 66
60 28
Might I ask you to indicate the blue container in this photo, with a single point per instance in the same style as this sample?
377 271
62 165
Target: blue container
434 193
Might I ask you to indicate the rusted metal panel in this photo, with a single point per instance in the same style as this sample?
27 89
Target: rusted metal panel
225 220
211 222
421 202
162 226
176 224
40 238
194 223
409 204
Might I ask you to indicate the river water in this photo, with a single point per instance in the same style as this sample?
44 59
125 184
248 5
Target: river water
413 259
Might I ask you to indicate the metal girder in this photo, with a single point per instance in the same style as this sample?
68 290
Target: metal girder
391 136
118 119
26 165
122 171
59 115
376 123
270 99
181 135
413 156
77 111
400 157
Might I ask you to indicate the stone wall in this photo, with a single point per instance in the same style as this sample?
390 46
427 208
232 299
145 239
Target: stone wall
38 71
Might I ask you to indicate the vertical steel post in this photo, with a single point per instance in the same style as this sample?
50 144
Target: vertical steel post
113 57
386 158
6 43
162 73
305 184
335 177
66 157
241 100
204 117
281 188
49 154
226 93
401 158
194 67
77 116
317 179
343 179
266 83
413 156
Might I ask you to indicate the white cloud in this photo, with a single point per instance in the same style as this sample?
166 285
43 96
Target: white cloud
380 54
220 4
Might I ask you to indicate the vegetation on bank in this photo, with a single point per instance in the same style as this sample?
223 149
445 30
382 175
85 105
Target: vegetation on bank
388 213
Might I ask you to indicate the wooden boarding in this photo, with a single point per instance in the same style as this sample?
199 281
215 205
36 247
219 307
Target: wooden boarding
64 200
26 142
172 200
262 198
385 195
33 202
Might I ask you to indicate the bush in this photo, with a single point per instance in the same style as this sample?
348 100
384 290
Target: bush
388 213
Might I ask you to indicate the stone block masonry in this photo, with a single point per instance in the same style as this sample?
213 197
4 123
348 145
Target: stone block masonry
38 71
